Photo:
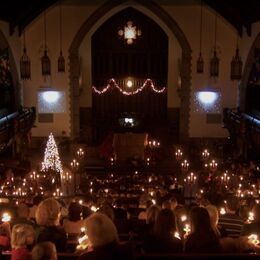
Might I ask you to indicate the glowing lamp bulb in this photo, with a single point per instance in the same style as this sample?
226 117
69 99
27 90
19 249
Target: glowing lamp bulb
207 97
51 96
129 83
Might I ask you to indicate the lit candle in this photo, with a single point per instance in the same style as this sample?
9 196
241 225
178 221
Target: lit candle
205 154
178 154
213 165
183 218
222 211
177 235
253 238
187 229
6 217
148 161
185 165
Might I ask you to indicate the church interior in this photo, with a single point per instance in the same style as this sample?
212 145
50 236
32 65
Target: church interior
124 102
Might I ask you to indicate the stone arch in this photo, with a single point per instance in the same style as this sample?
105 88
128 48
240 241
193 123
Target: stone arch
4 44
74 62
246 73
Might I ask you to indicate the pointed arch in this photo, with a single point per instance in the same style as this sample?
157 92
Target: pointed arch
169 23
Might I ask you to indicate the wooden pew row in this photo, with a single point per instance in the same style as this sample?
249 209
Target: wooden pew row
6 255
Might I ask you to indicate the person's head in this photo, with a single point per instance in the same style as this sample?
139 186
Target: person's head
44 251
107 210
213 214
232 203
37 199
204 202
100 230
74 211
200 220
148 204
152 213
174 202
22 235
256 211
23 211
165 223
166 204
47 212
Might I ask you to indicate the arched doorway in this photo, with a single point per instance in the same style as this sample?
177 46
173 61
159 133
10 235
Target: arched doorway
171 26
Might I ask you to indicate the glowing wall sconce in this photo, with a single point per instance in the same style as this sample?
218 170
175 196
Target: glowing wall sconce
208 100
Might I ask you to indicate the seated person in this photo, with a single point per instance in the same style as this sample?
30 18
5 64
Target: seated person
47 217
161 239
23 213
103 239
74 222
23 236
202 239
44 251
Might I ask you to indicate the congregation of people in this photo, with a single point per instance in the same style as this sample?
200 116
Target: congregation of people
49 225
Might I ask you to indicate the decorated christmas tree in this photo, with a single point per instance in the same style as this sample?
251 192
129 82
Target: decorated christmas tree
52 164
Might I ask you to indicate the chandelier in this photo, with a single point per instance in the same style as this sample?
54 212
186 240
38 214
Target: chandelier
61 60
45 60
200 61
236 65
214 62
129 33
25 63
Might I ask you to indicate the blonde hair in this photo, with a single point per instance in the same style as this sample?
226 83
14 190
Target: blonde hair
214 217
152 214
44 251
20 233
100 230
47 212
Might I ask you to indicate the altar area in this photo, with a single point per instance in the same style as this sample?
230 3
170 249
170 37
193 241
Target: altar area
129 145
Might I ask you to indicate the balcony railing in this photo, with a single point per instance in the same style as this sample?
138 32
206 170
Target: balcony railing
18 122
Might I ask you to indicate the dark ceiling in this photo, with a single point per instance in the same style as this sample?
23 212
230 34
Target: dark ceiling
240 13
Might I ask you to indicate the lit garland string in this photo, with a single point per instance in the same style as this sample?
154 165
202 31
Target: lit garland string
112 83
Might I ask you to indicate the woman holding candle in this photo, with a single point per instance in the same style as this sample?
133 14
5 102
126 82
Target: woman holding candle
161 239
254 226
202 238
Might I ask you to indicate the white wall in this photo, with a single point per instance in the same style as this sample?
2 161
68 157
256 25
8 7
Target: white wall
187 17
73 17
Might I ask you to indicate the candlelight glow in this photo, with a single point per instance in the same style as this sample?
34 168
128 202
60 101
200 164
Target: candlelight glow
6 217
253 238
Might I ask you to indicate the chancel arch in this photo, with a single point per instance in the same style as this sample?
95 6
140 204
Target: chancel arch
177 42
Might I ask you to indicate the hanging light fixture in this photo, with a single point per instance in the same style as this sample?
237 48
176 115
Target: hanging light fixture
46 63
214 62
25 63
61 60
130 32
236 65
200 61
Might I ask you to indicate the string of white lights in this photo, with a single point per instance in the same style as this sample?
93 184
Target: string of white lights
112 83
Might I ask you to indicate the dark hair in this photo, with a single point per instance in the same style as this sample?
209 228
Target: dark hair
75 211
256 210
37 199
200 220
164 223
232 203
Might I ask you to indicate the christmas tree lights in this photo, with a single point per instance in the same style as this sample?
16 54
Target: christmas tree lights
51 157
